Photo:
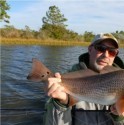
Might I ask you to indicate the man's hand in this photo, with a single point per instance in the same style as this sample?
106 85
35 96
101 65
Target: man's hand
118 107
55 90
114 110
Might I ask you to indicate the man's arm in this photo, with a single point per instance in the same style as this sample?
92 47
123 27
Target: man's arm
57 111
57 114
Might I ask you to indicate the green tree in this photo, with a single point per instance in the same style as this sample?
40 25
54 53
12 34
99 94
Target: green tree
9 31
54 17
119 35
27 33
53 24
88 36
3 11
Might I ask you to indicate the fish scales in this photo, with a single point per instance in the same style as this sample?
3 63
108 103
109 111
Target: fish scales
108 81
109 85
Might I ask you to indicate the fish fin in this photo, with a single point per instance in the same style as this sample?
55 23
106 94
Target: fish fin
39 71
107 69
120 106
80 74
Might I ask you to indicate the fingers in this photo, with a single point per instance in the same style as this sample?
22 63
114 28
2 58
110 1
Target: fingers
55 90
113 109
59 94
120 106
53 84
57 75
51 81
54 80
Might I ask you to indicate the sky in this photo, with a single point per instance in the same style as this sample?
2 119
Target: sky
97 16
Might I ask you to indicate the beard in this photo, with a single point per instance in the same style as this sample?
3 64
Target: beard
97 67
96 64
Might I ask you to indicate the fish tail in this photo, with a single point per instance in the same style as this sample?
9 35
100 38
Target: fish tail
39 71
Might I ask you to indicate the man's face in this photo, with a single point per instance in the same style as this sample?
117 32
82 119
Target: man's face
98 59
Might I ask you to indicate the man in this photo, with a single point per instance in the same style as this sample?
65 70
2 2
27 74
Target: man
103 51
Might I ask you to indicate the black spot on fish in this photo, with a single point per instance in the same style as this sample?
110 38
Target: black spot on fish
42 76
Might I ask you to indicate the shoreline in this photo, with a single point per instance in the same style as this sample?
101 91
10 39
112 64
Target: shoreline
48 42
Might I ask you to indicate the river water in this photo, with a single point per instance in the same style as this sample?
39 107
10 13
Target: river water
22 101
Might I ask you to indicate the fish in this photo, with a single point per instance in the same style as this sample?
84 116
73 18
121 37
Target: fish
105 87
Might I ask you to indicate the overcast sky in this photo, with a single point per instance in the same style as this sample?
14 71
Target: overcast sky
83 15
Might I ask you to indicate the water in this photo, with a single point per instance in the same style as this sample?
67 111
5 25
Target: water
23 101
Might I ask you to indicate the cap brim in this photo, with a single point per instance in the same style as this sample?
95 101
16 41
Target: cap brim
101 40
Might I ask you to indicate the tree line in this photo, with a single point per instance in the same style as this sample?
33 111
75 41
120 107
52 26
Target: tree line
54 27
52 32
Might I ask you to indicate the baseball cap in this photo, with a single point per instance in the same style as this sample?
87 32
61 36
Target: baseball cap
106 36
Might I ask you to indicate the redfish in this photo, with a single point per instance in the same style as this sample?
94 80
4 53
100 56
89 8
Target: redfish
105 87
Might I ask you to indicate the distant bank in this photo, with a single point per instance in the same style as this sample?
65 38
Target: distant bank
48 42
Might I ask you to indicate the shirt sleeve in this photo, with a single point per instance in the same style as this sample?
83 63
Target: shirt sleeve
57 114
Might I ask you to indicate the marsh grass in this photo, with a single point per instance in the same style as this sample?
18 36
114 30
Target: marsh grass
48 42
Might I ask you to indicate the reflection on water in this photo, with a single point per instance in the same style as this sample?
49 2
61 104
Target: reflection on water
22 100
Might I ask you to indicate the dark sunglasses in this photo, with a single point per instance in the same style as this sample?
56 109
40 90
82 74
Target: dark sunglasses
102 48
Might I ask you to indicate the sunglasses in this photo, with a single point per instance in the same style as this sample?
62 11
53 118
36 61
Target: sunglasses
102 49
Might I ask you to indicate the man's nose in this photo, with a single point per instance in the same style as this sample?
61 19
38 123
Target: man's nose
106 53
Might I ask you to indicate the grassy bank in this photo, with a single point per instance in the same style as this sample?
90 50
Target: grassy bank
48 42
6 41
